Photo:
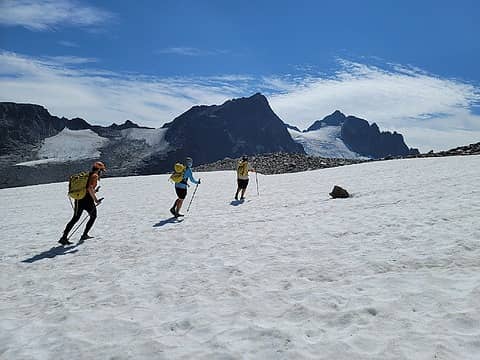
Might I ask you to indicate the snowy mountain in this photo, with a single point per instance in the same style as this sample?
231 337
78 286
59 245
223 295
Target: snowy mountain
37 147
391 273
342 136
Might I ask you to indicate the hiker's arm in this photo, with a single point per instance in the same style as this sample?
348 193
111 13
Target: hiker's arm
192 179
92 193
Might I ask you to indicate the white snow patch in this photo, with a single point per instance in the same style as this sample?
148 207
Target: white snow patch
69 145
324 142
391 273
153 137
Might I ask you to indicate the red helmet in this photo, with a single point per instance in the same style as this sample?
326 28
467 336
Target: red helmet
98 165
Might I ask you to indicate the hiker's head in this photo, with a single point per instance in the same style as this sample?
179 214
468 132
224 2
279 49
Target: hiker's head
245 158
189 162
99 166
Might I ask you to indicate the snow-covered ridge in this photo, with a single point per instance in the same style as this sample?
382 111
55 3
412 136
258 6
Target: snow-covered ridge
69 145
324 142
391 273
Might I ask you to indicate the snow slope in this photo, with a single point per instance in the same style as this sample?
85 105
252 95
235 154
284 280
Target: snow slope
153 137
391 273
324 142
69 145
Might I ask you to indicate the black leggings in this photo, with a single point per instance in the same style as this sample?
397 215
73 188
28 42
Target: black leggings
87 204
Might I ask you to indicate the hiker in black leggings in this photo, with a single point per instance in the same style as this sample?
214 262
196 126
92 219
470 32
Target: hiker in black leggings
88 202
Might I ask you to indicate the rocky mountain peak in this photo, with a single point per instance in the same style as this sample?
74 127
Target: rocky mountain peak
337 118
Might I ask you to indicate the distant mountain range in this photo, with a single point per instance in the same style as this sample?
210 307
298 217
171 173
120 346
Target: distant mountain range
338 135
36 147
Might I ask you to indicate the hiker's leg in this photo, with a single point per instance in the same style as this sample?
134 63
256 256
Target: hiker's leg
179 205
93 216
77 212
243 192
182 194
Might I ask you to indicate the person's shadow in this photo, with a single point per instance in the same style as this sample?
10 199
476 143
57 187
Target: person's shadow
237 202
172 220
53 252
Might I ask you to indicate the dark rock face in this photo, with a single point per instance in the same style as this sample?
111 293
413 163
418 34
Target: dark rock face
25 124
335 119
365 139
240 126
339 193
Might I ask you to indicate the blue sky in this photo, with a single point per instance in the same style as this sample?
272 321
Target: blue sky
410 66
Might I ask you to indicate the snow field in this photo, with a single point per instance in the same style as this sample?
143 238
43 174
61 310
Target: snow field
153 137
69 145
391 273
324 142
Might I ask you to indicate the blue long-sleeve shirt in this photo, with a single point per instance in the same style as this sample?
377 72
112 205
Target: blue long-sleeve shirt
187 175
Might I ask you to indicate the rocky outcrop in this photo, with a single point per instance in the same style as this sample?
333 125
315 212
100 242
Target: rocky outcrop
279 163
472 149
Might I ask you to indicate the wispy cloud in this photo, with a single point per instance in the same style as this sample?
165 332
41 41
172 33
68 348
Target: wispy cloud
432 113
50 14
104 97
67 43
190 51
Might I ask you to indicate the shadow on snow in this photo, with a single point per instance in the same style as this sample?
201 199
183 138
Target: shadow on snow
53 252
172 220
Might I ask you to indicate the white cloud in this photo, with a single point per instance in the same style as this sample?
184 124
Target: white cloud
432 113
49 14
104 97
68 43
190 51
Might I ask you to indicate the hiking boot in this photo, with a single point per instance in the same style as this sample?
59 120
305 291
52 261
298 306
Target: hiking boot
242 198
179 215
86 237
172 210
236 197
64 241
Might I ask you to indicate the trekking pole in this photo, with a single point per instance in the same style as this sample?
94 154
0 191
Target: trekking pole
79 225
256 180
196 187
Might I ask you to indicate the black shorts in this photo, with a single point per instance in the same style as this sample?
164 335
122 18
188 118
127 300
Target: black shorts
87 204
242 183
181 193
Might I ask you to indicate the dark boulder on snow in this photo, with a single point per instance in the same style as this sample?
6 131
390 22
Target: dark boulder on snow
339 192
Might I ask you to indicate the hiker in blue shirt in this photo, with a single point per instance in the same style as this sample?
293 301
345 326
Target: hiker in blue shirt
181 187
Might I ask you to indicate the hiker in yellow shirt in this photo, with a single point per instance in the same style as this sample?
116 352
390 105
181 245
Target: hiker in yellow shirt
243 168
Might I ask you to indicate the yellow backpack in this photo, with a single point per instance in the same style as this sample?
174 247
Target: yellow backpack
77 185
178 172
242 169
